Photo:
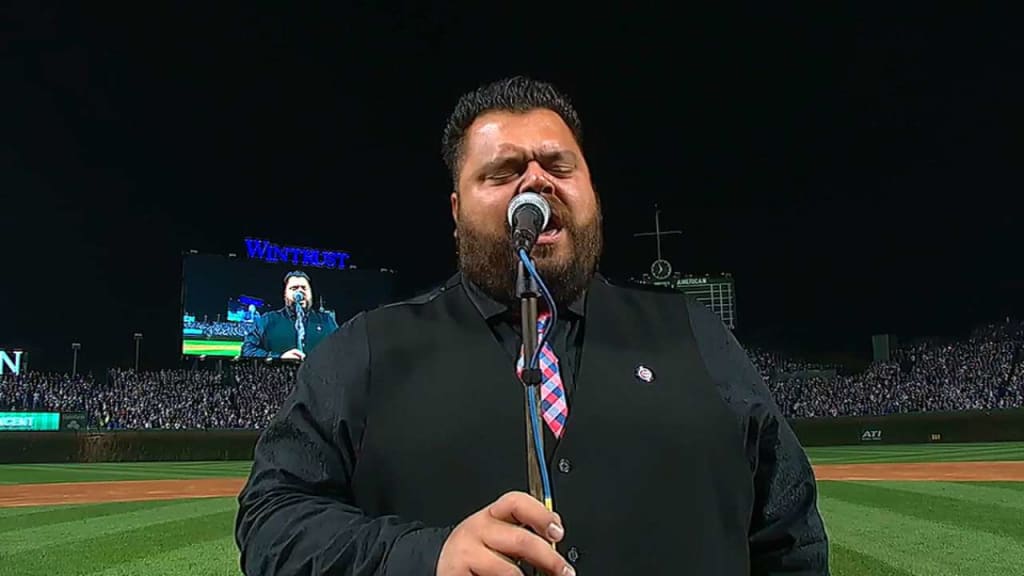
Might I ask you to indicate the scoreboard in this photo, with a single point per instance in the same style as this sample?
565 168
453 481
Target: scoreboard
716 291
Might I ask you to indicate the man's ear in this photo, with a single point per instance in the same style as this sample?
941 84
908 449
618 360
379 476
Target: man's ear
455 211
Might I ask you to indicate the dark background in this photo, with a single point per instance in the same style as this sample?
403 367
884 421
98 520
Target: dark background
210 280
849 163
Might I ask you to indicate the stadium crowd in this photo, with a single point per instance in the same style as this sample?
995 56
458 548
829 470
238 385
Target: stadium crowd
244 397
216 329
982 372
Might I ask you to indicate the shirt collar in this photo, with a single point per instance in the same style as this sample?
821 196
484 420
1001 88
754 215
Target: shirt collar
490 308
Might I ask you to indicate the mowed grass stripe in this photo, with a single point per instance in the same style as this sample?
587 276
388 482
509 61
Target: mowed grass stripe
98 472
966 456
182 468
17 511
185 465
922 458
932 448
60 514
1006 451
845 561
917 546
851 451
860 458
1015 486
76 471
139 464
87 527
949 510
58 476
94 553
212 558
985 493
159 473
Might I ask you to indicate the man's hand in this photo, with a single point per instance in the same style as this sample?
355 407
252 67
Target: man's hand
293 354
490 541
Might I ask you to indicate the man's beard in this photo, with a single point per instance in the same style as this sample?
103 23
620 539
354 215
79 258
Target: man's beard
488 261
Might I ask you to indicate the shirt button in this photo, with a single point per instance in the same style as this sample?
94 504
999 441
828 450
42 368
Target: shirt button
564 466
573 555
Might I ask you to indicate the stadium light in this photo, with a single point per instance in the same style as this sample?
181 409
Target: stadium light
75 347
138 342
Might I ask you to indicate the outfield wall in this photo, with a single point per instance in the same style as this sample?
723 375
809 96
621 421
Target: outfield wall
171 445
918 428
127 446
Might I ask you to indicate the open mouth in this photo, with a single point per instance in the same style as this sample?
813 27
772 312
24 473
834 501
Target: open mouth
552 232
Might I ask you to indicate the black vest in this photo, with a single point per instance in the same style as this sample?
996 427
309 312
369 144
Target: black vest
280 336
649 477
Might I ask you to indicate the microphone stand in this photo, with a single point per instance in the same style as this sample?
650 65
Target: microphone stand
528 292
300 327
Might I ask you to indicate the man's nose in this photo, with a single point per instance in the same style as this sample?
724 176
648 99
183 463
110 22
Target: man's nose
536 180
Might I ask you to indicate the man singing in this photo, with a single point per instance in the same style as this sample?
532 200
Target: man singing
402 448
293 331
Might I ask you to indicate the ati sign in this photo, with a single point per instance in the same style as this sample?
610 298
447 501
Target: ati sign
10 362
871 436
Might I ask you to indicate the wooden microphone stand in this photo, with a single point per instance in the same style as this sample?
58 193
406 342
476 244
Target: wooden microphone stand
528 292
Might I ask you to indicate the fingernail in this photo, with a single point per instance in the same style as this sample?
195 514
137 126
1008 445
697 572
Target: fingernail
555 531
568 571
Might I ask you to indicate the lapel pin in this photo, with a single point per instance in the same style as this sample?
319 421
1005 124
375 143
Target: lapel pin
644 373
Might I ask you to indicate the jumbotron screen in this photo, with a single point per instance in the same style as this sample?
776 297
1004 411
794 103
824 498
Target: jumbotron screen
236 307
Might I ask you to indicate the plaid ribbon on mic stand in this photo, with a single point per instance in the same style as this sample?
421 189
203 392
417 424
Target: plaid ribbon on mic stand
554 408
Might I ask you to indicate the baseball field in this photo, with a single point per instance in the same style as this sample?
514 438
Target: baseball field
935 510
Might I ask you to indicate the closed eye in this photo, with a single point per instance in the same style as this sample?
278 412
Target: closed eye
562 169
559 163
502 175
503 169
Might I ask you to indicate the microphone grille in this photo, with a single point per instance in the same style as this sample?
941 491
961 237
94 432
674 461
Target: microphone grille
532 199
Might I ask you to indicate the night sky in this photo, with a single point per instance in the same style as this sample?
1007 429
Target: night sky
850 166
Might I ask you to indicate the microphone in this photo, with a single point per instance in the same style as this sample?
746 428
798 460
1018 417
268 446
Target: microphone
528 214
297 296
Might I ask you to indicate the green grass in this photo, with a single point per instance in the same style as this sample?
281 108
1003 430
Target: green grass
111 471
867 454
875 528
928 528
193 347
169 538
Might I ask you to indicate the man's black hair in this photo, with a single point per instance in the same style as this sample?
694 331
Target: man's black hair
296 274
515 94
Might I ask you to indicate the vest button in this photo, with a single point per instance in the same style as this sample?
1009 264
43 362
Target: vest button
564 466
573 555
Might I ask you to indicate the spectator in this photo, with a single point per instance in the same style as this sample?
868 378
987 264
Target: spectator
983 372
